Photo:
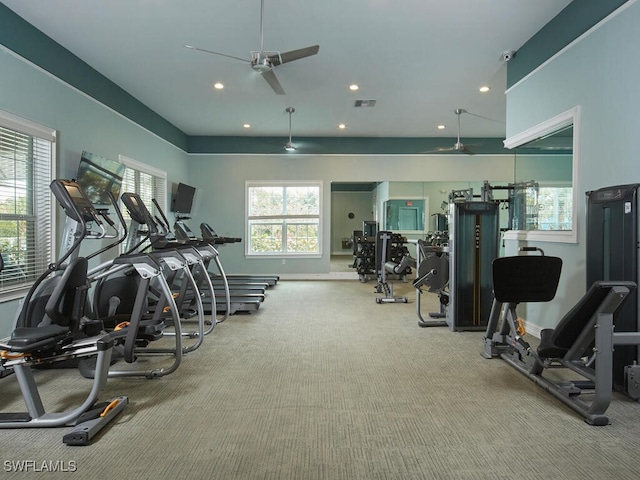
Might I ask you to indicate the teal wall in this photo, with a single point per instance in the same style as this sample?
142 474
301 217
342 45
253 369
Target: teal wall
600 73
220 195
343 203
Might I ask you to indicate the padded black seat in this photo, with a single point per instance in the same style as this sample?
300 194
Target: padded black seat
57 321
27 340
548 349
555 343
532 278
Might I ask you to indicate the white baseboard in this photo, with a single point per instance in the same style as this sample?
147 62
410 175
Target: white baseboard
532 329
320 276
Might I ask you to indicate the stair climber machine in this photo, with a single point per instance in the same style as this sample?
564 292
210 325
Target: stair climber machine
51 327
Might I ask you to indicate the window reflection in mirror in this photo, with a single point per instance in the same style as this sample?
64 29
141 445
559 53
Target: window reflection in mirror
542 196
543 203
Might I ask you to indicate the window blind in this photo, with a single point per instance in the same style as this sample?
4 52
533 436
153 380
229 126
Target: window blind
26 203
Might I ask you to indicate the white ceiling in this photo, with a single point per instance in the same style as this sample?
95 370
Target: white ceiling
419 59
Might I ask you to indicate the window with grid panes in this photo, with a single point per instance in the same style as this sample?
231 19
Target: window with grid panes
146 181
283 218
27 154
555 208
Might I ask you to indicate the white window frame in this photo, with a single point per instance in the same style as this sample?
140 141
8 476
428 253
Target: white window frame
43 216
285 254
161 177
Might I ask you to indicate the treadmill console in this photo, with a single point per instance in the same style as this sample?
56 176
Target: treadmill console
73 200
209 235
182 231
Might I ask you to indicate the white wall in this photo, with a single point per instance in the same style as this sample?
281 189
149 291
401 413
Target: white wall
600 73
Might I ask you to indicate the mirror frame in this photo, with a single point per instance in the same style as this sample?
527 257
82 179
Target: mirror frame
570 117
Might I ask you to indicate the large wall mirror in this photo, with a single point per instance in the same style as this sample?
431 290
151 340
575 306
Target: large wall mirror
544 198
410 208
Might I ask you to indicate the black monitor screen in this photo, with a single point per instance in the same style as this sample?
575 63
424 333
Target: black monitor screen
74 191
183 199
98 176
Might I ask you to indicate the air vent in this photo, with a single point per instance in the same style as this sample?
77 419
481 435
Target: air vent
365 103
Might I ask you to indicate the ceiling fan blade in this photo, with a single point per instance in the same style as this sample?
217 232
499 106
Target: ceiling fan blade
482 117
439 150
467 151
273 82
217 53
286 57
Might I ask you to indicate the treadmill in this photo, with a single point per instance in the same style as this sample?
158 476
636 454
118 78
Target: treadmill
209 235
236 286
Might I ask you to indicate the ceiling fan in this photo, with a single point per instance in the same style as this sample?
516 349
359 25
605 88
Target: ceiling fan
458 146
263 61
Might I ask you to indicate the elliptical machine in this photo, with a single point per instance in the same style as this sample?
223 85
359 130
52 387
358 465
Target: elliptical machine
52 327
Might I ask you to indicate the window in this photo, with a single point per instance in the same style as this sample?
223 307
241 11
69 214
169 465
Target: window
536 207
555 208
26 204
146 181
284 219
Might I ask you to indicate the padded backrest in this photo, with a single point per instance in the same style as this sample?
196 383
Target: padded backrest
532 278
576 319
124 287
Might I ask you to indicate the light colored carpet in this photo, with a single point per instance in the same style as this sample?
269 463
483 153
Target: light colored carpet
323 383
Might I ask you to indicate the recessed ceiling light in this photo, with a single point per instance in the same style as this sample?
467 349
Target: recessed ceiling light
485 89
441 127
353 87
218 86
246 125
342 126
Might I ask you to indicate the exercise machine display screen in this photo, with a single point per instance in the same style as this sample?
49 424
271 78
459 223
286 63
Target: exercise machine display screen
136 208
73 200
